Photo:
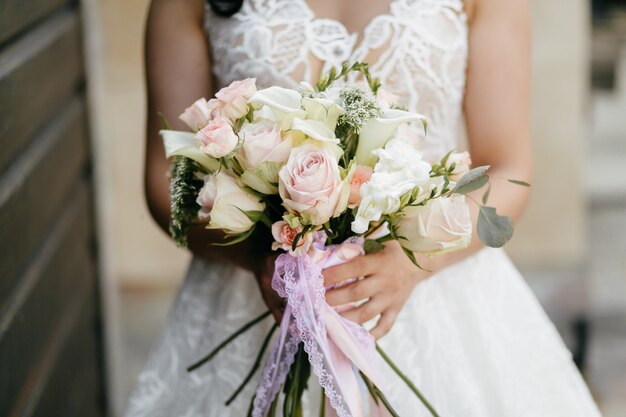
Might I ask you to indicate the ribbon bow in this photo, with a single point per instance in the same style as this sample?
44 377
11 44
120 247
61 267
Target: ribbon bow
338 349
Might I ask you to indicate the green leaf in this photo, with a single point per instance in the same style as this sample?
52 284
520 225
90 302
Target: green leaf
494 230
166 124
409 253
486 195
472 181
519 182
235 238
253 215
372 246
263 178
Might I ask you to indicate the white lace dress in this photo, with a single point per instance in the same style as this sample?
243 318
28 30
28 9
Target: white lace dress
473 337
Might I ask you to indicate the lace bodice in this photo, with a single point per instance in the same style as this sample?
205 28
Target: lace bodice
418 49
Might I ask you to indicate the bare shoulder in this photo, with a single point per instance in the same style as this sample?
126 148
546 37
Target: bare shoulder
480 9
177 9
470 9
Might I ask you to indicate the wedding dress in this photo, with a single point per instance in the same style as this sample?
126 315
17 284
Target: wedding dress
473 337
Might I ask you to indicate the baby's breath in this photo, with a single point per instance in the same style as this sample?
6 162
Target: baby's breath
360 106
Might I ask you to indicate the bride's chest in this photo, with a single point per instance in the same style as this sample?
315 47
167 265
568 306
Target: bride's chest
287 41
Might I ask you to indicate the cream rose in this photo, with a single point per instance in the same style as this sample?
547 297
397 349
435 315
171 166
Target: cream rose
442 225
197 115
232 100
310 183
217 139
222 201
462 163
263 142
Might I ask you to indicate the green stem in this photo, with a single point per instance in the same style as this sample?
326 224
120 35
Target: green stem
407 381
251 406
378 395
273 407
322 403
255 366
232 337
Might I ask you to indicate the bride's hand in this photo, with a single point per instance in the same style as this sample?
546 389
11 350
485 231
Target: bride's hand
389 279
263 271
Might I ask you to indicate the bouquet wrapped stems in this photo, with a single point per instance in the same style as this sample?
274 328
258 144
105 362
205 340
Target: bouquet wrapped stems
298 376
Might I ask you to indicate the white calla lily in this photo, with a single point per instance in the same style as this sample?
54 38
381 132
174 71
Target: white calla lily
377 132
178 143
279 98
323 109
314 129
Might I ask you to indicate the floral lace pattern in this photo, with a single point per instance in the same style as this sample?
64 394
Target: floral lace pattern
418 50
473 337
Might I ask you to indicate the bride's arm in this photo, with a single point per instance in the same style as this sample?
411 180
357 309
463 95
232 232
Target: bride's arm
497 106
177 73
497 113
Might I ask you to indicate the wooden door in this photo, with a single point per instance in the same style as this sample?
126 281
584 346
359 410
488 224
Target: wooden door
50 325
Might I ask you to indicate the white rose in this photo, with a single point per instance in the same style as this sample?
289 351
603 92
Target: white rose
399 170
222 201
442 225
375 202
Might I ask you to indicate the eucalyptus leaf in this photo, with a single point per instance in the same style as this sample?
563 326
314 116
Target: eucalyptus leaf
472 181
519 182
494 230
372 246
486 195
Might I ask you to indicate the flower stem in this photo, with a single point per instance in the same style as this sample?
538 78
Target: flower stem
232 337
378 395
255 366
322 403
407 381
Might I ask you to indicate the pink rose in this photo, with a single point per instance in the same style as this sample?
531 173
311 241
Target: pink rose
361 175
284 236
197 115
263 142
206 198
462 163
310 183
217 138
232 101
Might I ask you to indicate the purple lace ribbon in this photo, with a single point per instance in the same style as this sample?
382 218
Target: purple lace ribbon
337 348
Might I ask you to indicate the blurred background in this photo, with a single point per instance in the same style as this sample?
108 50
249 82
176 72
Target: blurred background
78 66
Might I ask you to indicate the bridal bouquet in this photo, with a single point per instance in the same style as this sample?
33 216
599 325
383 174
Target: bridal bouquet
327 173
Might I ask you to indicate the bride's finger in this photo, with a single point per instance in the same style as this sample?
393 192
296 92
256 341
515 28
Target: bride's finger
366 311
356 268
358 290
385 323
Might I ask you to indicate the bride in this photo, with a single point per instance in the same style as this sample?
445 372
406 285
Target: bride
470 334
